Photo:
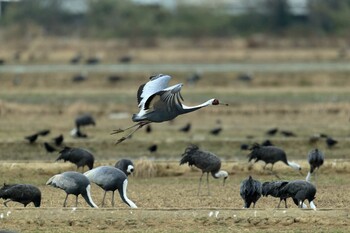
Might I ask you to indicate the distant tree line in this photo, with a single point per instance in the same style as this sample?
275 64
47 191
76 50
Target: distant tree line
110 18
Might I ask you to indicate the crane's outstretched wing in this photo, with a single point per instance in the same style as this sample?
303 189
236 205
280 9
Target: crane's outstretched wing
156 84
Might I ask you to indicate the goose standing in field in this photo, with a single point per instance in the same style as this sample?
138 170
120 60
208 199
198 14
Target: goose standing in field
331 142
126 165
315 159
158 103
79 156
73 183
270 154
22 193
250 191
110 179
206 161
300 190
80 121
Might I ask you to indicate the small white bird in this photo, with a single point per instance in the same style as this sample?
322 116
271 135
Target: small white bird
158 102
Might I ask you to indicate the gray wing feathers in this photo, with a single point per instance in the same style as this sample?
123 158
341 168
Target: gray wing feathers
60 181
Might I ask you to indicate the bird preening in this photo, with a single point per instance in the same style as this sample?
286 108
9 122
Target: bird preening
206 161
158 102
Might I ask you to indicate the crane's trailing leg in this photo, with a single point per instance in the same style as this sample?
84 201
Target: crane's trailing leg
140 125
103 200
65 201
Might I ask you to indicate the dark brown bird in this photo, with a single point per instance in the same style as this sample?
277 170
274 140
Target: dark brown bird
153 148
186 128
49 148
287 133
32 138
43 132
58 140
216 131
331 142
272 131
204 160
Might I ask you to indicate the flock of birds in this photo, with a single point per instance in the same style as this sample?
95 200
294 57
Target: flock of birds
158 102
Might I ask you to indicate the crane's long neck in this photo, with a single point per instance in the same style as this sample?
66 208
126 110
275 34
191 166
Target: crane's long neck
87 197
187 109
294 165
124 197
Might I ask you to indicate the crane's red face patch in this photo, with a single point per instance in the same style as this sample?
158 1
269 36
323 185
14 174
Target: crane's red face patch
215 102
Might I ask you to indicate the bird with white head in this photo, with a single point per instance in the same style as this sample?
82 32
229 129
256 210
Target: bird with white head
158 103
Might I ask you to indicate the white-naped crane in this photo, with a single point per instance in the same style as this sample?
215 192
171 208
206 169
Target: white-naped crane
22 193
274 188
316 160
110 179
126 165
73 183
158 103
270 154
206 161
250 191
300 190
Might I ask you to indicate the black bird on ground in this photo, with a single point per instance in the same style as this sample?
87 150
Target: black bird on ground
73 183
216 131
49 148
32 138
315 159
114 78
186 128
204 160
44 132
272 131
148 129
92 61
270 154
288 133
76 59
80 121
244 146
79 78
79 156
250 191
125 59
58 140
22 193
153 148
300 190
126 165
331 142
110 179
267 142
